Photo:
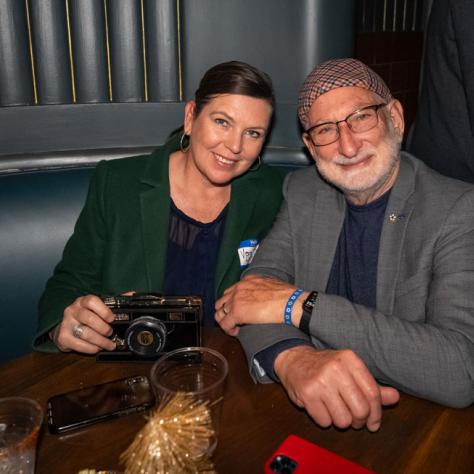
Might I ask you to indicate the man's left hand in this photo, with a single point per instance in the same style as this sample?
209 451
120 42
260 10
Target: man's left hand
255 300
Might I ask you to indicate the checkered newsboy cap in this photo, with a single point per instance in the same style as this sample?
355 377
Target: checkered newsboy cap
329 75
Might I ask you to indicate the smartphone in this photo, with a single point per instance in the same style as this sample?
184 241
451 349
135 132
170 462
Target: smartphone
298 456
83 407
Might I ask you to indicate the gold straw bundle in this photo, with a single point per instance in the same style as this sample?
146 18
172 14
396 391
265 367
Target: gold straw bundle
175 439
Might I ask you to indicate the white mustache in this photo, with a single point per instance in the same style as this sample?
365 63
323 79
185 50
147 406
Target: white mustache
343 160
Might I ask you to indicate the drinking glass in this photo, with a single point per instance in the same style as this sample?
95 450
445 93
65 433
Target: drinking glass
20 422
198 371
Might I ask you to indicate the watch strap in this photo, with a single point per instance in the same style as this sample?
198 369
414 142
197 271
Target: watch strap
308 305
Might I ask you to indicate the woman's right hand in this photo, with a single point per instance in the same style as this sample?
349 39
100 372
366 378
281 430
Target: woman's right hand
85 327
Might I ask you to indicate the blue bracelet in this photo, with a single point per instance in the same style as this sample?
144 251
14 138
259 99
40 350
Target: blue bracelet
289 306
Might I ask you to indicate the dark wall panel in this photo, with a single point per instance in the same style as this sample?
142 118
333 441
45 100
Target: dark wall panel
89 51
161 26
51 51
16 80
329 31
391 15
126 55
283 37
86 126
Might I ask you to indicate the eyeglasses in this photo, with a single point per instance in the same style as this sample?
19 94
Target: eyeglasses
360 121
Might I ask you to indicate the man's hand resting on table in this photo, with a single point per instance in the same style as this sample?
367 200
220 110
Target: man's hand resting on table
255 300
334 386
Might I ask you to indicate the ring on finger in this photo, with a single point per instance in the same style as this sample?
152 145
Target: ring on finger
78 330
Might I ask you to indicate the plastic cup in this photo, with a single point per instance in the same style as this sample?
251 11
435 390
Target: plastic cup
20 422
198 371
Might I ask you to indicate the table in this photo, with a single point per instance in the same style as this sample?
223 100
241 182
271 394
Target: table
416 436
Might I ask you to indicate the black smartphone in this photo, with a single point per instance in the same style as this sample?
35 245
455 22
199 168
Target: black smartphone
89 405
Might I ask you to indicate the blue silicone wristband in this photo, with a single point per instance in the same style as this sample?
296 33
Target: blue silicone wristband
289 306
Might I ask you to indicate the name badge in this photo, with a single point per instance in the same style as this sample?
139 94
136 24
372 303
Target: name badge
246 251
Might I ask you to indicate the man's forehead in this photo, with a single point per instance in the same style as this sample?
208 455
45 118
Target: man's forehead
338 103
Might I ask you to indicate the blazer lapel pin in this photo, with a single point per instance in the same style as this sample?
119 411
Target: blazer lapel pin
395 217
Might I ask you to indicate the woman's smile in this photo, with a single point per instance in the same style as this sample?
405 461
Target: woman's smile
224 161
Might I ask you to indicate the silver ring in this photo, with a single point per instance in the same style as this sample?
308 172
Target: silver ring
224 310
78 330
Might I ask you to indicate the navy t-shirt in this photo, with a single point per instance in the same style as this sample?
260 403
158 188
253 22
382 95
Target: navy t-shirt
354 269
191 258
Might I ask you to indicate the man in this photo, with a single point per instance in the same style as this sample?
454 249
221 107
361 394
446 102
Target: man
370 264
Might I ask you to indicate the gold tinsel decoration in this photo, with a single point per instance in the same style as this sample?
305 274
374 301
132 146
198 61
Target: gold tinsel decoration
175 439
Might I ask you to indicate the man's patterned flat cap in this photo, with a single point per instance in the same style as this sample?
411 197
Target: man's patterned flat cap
329 75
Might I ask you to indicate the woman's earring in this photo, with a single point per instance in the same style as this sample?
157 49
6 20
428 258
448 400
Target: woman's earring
184 147
258 161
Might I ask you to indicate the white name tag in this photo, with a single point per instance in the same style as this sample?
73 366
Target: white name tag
246 251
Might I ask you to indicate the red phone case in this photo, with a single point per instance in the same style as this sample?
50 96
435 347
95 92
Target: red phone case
298 456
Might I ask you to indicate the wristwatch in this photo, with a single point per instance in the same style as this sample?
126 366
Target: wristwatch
308 305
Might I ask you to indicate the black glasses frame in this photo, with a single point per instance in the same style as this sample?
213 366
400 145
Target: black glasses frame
374 107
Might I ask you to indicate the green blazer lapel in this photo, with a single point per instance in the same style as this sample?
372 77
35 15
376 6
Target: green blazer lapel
327 219
155 209
242 203
397 215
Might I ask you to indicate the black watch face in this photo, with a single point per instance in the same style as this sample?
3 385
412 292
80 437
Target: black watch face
308 304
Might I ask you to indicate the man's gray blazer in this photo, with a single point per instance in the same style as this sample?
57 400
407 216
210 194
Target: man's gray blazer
420 336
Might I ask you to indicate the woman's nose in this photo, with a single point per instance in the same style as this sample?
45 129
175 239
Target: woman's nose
234 142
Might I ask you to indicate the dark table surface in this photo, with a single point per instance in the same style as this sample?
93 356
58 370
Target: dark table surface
416 436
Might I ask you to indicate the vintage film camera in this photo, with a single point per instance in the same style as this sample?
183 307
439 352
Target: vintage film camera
148 324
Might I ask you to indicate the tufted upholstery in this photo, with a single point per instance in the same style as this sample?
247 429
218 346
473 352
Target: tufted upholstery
37 214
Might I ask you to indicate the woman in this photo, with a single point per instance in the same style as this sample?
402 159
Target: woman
172 222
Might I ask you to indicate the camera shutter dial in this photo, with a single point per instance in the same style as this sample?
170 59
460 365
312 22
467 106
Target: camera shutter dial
146 336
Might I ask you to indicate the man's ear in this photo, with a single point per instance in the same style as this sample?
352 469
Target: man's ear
189 116
395 109
309 145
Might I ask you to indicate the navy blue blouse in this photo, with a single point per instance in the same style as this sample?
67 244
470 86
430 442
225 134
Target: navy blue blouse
192 257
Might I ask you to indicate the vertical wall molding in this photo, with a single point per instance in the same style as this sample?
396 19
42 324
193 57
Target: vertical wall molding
391 15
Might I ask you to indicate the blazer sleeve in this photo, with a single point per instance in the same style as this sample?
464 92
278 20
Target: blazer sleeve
462 12
434 358
80 269
274 258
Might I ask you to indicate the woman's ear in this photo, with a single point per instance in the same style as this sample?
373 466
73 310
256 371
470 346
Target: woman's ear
189 116
396 116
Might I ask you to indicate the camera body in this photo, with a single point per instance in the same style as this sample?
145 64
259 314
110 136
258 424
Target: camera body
147 325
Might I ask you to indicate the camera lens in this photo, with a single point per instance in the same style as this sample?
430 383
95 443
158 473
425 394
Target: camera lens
146 336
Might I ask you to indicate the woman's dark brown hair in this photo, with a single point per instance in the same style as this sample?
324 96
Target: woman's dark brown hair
234 77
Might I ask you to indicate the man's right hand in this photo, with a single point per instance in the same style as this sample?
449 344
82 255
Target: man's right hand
334 386
90 318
